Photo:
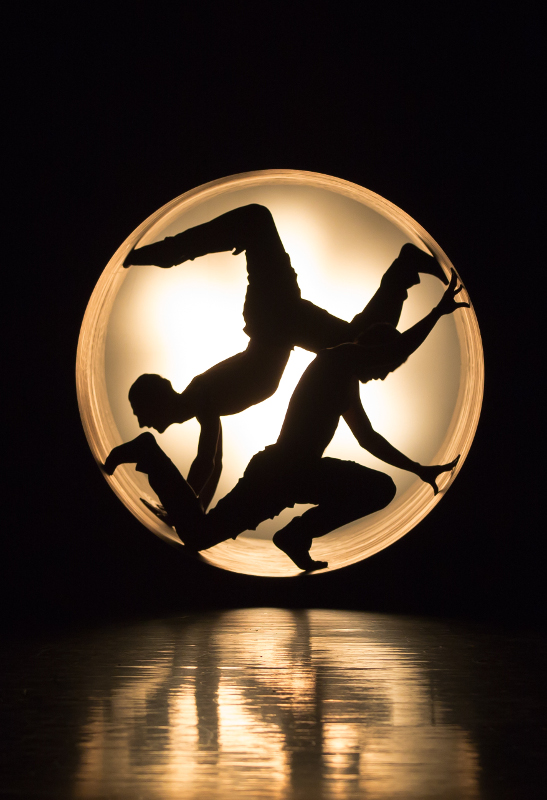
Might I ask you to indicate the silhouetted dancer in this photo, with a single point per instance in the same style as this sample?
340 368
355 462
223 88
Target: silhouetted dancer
293 470
276 320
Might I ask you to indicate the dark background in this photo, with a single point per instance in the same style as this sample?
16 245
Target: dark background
111 115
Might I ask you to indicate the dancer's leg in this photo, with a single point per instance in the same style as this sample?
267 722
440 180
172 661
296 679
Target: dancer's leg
249 228
386 305
314 329
343 492
272 295
254 498
175 495
262 493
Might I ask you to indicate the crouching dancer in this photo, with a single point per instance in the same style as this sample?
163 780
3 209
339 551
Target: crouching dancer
293 470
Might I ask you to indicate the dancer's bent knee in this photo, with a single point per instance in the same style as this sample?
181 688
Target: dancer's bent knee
257 232
373 494
384 490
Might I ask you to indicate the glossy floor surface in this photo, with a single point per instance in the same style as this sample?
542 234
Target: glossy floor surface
273 703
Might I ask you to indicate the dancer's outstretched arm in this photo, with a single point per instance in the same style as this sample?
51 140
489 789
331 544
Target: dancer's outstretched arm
376 444
414 337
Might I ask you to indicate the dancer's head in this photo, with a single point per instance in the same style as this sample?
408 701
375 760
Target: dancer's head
153 401
384 355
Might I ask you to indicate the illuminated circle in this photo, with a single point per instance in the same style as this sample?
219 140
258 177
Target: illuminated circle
179 322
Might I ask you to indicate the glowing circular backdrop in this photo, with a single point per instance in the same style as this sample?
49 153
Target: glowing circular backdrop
179 322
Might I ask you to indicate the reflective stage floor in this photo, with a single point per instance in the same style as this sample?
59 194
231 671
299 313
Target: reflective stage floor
273 703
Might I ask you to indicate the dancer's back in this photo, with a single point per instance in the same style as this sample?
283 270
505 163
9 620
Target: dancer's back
325 391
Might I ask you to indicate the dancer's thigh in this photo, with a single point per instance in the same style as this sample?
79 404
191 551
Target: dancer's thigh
262 493
335 481
315 329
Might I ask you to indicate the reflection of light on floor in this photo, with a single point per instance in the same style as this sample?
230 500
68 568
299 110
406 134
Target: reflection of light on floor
181 766
255 743
341 757
108 739
248 702
398 764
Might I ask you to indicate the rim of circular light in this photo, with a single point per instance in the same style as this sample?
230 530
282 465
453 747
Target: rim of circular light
254 556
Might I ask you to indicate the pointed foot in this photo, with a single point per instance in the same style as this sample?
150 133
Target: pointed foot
420 261
129 452
297 552
141 256
164 254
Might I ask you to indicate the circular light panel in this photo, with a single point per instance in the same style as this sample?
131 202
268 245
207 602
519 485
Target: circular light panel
179 322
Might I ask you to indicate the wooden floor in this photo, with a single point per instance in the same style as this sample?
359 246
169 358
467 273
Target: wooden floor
272 703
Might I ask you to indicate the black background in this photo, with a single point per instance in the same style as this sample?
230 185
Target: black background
112 114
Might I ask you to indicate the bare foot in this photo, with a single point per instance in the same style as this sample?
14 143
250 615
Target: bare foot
129 452
297 552
420 261
165 254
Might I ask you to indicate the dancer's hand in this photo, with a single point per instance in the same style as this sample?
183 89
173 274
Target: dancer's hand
429 474
448 302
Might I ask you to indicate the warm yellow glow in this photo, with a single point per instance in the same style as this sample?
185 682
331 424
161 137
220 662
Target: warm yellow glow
190 318
261 701
181 321
239 725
